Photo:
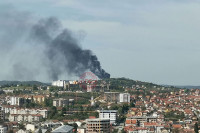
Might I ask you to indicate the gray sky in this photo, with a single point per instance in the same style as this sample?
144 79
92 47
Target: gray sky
155 41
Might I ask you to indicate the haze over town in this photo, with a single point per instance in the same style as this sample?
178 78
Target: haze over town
154 41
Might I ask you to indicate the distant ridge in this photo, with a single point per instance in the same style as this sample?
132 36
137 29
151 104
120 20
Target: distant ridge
184 86
21 83
189 87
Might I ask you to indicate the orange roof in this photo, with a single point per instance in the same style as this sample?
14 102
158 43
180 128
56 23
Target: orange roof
176 126
150 124
92 117
131 121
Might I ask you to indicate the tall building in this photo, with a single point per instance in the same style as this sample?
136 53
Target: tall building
59 83
2 114
124 98
17 100
98 125
108 114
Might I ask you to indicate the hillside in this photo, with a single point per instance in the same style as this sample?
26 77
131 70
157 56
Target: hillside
21 83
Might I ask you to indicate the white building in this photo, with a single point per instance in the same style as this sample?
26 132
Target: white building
25 117
3 129
33 111
59 83
108 114
30 127
124 97
14 100
2 114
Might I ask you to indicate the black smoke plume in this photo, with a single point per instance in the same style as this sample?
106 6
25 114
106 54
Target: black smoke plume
63 51
41 50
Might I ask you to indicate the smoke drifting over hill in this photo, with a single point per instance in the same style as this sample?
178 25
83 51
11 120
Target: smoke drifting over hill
41 50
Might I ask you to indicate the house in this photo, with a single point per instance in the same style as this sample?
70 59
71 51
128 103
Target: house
63 129
3 129
39 99
43 130
22 131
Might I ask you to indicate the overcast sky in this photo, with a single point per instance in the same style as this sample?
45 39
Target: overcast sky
149 40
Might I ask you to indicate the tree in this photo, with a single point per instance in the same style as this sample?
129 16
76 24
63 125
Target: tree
56 94
123 131
40 130
53 112
10 131
196 127
21 126
75 127
63 111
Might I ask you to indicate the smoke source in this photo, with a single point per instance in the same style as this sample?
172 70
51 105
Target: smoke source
41 50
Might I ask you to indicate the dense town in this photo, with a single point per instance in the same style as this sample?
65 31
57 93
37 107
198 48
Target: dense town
115 106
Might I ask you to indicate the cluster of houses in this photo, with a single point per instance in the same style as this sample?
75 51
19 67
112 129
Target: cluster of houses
152 112
164 113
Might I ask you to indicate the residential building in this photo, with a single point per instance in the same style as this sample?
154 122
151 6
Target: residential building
43 130
59 83
124 97
39 99
3 129
60 102
17 100
117 97
108 114
25 117
98 125
33 111
111 96
81 130
22 131
2 114
30 127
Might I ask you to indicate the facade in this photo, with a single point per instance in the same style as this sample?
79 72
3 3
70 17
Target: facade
60 102
81 130
98 125
17 100
25 117
124 97
108 114
111 96
3 129
30 127
117 97
39 99
141 120
28 115
59 83
22 131
21 111
2 114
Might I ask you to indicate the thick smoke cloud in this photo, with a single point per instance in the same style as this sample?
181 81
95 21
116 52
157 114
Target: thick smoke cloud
41 50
